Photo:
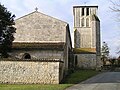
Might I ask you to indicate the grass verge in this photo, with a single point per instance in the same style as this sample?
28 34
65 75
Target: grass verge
79 76
34 87
74 78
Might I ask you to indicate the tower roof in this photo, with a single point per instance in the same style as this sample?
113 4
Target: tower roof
95 18
84 6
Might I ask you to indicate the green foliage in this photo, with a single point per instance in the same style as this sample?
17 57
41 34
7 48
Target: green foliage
105 50
6 30
34 87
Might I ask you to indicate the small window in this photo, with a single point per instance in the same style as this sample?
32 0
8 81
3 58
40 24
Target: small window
76 61
82 11
82 22
87 22
26 56
87 11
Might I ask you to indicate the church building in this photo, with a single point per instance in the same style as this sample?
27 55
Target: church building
86 36
42 51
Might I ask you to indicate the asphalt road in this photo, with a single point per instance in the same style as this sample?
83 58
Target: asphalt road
103 81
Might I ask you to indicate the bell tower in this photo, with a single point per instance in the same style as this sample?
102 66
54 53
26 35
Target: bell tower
86 35
87 28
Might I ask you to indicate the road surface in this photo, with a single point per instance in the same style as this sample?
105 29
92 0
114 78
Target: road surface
103 81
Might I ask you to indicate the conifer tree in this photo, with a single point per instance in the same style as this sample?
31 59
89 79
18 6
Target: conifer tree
104 52
6 31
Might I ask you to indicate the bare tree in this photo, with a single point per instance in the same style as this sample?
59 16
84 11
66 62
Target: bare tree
116 8
116 5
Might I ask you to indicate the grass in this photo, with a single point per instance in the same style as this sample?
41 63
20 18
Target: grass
80 75
76 77
34 87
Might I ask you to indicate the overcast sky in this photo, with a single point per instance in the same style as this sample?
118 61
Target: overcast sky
63 10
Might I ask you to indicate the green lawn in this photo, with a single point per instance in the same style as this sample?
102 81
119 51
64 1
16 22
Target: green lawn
34 87
79 76
76 77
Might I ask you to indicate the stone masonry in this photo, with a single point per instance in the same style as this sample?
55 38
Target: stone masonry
87 36
32 72
40 52
38 27
86 61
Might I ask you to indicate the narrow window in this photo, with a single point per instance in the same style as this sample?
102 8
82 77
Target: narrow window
76 61
87 11
82 11
87 22
82 22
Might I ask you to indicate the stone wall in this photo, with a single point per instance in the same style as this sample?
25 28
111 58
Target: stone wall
86 61
38 54
83 37
38 27
30 72
77 11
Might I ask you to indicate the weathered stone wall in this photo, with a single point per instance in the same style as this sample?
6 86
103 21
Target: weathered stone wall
61 71
99 62
77 11
83 38
41 28
98 39
30 72
86 36
38 27
44 54
86 61
68 47
38 54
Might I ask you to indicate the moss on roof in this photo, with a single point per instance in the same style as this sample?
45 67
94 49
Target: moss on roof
38 45
84 50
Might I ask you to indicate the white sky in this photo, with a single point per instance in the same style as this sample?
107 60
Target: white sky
63 10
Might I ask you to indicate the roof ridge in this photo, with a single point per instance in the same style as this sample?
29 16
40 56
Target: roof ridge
25 15
42 14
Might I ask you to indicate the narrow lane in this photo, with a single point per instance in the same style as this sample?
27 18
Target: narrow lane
103 81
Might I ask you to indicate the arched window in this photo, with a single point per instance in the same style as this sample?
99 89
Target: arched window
87 22
82 22
26 56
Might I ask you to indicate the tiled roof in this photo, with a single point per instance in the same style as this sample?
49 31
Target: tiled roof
33 60
38 45
84 50
85 6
